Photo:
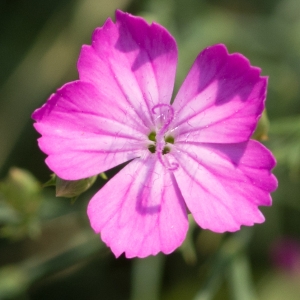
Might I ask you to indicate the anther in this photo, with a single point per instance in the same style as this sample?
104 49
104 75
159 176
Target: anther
169 139
166 150
152 136
152 148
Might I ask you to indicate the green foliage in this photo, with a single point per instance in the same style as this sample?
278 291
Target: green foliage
285 143
71 188
20 200
262 129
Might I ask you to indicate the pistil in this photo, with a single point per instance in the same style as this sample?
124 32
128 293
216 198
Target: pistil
161 143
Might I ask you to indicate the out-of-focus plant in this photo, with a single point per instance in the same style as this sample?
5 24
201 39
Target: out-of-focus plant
285 143
20 200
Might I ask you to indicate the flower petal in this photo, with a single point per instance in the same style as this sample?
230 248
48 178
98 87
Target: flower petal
144 215
83 134
221 98
132 63
223 185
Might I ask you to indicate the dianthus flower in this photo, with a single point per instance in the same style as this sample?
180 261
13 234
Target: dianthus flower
194 155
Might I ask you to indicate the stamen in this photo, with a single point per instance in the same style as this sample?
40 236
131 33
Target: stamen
169 139
152 148
166 150
152 136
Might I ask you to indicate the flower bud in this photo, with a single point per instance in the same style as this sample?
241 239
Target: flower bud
262 129
72 188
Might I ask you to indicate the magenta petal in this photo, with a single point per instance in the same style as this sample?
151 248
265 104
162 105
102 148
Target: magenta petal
131 63
223 185
140 211
221 98
83 134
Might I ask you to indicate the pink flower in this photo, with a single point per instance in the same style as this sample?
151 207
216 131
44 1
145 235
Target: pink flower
192 156
285 253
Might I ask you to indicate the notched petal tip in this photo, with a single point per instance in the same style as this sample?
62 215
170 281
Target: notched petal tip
153 37
133 62
224 184
145 215
234 60
221 98
221 50
127 18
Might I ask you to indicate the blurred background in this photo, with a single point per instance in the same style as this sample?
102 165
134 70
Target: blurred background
48 250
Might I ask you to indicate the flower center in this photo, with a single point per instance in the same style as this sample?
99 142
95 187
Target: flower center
160 141
167 140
